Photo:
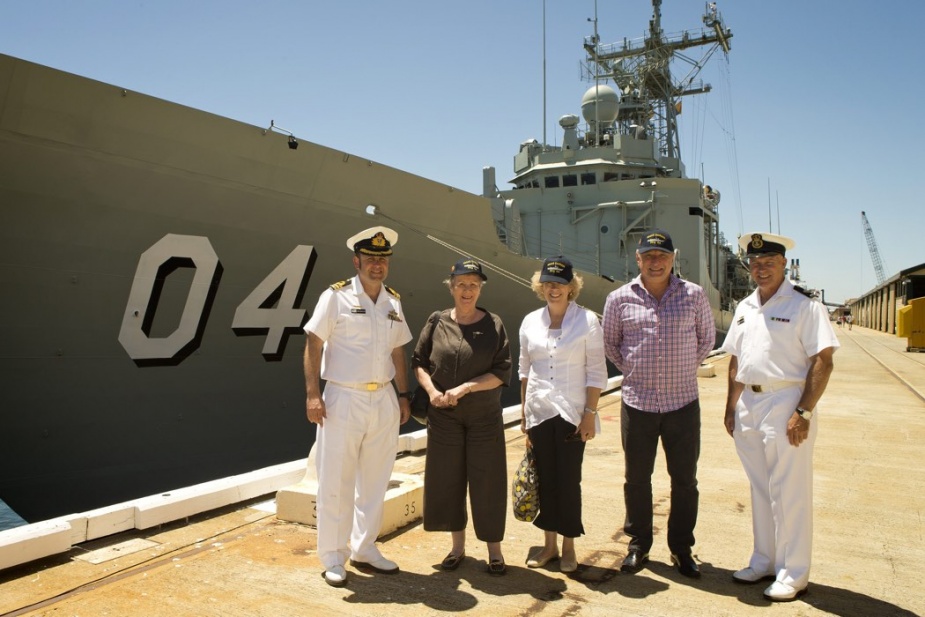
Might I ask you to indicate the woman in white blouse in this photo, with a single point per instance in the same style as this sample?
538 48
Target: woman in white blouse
562 371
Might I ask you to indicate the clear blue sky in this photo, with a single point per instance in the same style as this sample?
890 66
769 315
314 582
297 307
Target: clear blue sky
821 99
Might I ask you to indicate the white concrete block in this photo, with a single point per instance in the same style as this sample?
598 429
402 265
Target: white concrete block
296 503
706 370
113 519
404 502
412 442
174 505
78 523
29 542
190 500
269 479
511 414
402 444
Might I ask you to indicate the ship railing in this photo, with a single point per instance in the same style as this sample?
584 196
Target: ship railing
637 45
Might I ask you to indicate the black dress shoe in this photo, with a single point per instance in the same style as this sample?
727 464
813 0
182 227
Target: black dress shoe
686 565
451 561
634 561
496 567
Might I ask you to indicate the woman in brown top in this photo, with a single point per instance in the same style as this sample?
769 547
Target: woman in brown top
462 359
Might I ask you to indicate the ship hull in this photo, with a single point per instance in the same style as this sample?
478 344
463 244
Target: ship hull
158 263
142 243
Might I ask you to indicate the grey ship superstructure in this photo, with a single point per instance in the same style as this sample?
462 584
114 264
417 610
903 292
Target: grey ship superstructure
593 196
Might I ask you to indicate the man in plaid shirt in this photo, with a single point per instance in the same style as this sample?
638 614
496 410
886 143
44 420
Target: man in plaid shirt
657 330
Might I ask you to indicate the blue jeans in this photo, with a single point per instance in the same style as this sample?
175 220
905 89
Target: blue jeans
680 434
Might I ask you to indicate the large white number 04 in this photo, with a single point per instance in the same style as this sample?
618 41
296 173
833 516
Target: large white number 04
283 287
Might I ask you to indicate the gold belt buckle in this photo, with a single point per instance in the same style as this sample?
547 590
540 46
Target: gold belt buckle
372 386
757 389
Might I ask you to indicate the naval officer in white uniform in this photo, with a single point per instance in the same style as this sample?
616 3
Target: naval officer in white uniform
782 343
356 338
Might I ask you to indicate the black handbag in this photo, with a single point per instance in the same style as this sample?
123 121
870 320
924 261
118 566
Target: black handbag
420 400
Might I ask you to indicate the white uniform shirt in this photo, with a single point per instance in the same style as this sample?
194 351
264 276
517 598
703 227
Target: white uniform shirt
560 368
775 342
359 336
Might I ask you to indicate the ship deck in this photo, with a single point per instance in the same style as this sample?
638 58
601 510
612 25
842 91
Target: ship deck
869 553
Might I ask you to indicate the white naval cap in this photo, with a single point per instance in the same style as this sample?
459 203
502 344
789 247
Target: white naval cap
373 241
757 243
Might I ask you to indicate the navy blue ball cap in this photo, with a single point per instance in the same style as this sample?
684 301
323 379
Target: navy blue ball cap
655 240
468 266
556 270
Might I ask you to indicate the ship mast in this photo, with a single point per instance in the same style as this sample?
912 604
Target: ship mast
641 69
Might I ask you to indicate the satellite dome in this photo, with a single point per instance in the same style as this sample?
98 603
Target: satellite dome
605 100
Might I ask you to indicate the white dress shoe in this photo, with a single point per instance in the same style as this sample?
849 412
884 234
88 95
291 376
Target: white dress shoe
335 576
782 592
380 565
749 576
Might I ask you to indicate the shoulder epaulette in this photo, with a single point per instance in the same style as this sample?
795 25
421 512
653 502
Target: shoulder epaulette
392 291
339 284
803 291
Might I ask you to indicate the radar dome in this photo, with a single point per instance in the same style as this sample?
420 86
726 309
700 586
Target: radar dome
568 121
604 100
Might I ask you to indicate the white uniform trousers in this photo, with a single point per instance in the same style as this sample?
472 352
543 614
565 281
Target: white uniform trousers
781 478
355 455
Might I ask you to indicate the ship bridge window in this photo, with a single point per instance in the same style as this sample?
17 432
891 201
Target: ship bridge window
570 180
588 178
552 182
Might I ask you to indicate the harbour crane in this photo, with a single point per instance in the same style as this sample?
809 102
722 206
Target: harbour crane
874 251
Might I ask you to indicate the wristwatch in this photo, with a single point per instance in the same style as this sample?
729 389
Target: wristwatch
406 395
806 414
590 411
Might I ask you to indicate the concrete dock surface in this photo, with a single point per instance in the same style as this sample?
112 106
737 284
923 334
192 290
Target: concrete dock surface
868 554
